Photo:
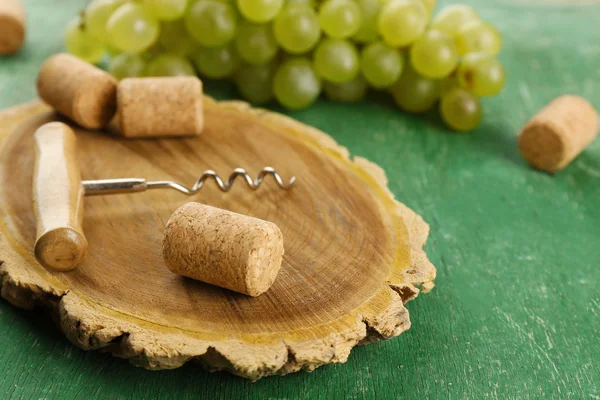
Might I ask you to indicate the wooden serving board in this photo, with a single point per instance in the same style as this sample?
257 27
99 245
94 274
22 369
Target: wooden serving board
353 255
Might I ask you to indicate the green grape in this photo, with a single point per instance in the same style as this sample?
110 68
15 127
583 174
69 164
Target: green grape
434 55
347 92
429 5
368 28
112 52
381 64
453 17
414 93
401 22
478 37
80 43
340 18
448 83
259 10
481 74
96 16
166 10
175 39
336 60
297 29
255 82
255 43
132 29
217 62
310 3
127 65
170 65
211 23
460 110
295 84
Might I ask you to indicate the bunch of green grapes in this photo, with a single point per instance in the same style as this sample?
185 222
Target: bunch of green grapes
292 50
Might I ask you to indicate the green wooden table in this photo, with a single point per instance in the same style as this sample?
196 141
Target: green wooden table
516 313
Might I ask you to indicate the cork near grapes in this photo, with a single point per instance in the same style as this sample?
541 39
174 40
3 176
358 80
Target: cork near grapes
557 134
80 91
12 26
169 106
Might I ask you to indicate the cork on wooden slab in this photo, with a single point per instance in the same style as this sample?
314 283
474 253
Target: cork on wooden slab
353 254
557 134
12 26
80 91
150 107
223 248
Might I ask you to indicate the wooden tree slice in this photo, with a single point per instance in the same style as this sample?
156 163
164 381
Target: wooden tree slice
353 255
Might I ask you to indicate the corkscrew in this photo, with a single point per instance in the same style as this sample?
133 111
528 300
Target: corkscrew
132 185
58 193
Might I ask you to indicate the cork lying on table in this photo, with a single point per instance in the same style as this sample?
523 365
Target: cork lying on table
12 26
558 133
149 107
220 247
78 90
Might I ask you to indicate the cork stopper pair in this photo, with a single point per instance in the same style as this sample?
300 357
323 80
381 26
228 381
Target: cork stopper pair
145 107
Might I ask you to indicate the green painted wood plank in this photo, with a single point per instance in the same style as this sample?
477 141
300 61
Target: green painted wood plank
516 314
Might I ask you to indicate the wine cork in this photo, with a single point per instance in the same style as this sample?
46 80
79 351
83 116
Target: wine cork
220 247
558 133
12 26
149 107
78 90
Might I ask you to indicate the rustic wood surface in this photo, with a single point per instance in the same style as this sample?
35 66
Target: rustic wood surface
516 310
353 254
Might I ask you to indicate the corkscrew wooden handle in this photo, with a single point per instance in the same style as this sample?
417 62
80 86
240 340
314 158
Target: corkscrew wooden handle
58 199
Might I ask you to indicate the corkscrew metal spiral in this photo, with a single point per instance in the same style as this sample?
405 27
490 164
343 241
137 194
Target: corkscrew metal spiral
225 186
129 185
